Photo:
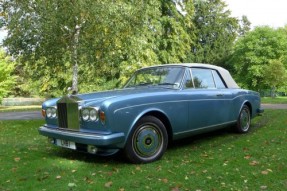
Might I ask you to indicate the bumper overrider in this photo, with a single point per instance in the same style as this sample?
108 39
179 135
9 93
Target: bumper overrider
260 111
110 141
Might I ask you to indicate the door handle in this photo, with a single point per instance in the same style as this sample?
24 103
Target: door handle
219 95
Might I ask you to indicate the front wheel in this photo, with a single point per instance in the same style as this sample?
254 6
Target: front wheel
147 141
244 120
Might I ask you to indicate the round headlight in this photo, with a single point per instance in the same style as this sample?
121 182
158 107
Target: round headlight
49 112
54 112
85 114
94 114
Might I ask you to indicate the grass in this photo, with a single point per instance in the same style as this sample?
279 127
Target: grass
220 160
276 100
20 108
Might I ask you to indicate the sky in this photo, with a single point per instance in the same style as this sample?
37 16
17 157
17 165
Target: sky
260 12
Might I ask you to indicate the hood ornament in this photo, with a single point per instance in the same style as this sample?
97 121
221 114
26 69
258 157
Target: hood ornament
71 91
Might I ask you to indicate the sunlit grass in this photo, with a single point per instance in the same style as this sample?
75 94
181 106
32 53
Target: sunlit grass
276 100
216 161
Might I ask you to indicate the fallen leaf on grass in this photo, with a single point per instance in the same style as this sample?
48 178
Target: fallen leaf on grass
254 163
266 171
164 180
88 180
247 157
108 184
175 189
58 177
72 185
263 187
17 159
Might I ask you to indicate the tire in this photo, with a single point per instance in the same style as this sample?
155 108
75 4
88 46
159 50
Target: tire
147 141
244 120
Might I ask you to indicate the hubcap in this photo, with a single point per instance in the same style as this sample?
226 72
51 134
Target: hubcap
245 120
147 141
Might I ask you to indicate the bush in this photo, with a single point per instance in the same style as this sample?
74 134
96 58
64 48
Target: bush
7 80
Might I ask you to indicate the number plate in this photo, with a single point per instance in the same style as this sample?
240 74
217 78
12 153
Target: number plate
66 144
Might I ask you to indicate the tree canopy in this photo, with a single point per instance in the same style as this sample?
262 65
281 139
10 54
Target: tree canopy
7 80
257 54
215 32
91 44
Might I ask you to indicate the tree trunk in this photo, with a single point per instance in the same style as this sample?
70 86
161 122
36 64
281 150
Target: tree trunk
273 94
74 59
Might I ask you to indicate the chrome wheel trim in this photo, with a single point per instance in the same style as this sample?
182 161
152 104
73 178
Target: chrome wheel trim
147 141
245 119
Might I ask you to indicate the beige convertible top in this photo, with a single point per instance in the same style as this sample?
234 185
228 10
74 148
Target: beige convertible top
223 72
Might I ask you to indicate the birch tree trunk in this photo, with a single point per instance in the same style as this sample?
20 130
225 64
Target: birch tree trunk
74 59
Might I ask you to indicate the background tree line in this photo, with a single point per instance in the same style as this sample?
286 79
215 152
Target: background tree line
92 45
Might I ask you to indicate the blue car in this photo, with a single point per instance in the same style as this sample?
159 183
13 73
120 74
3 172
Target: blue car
158 104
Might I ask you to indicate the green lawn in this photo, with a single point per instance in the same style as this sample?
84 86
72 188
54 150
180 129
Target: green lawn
276 100
216 161
20 108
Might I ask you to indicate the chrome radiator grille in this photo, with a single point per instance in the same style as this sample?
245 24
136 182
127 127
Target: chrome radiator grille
68 113
62 115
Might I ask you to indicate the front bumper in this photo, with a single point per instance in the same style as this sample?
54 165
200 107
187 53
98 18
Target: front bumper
110 140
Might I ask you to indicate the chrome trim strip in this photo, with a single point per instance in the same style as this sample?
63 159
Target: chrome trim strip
207 127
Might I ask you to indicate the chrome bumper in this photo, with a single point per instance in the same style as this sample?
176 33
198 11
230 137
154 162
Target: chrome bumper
83 138
260 111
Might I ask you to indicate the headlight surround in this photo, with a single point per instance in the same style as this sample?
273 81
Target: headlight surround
90 114
51 112
94 114
85 114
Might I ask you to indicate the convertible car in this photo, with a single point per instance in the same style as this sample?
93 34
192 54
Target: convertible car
158 104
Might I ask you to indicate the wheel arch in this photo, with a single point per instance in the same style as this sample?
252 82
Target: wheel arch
158 114
164 119
248 104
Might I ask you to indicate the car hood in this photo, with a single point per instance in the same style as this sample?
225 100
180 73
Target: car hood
96 98
128 92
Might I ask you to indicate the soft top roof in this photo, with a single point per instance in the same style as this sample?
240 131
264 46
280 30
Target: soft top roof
223 72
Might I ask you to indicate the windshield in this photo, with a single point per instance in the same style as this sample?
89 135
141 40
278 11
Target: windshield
157 76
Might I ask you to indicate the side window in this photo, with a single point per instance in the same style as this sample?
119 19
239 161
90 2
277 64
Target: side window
218 81
188 80
202 78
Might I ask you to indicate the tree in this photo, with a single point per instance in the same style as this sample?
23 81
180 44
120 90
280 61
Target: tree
101 40
274 75
7 80
88 36
215 32
244 26
165 36
254 52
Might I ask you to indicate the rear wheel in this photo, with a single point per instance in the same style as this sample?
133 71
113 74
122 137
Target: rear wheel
244 120
147 141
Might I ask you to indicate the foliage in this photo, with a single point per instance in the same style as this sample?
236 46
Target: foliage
215 32
98 44
215 161
274 74
252 58
115 38
7 80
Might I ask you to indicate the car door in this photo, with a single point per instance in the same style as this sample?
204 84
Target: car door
209 100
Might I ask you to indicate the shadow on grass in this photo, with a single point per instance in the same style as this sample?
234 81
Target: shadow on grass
216 138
